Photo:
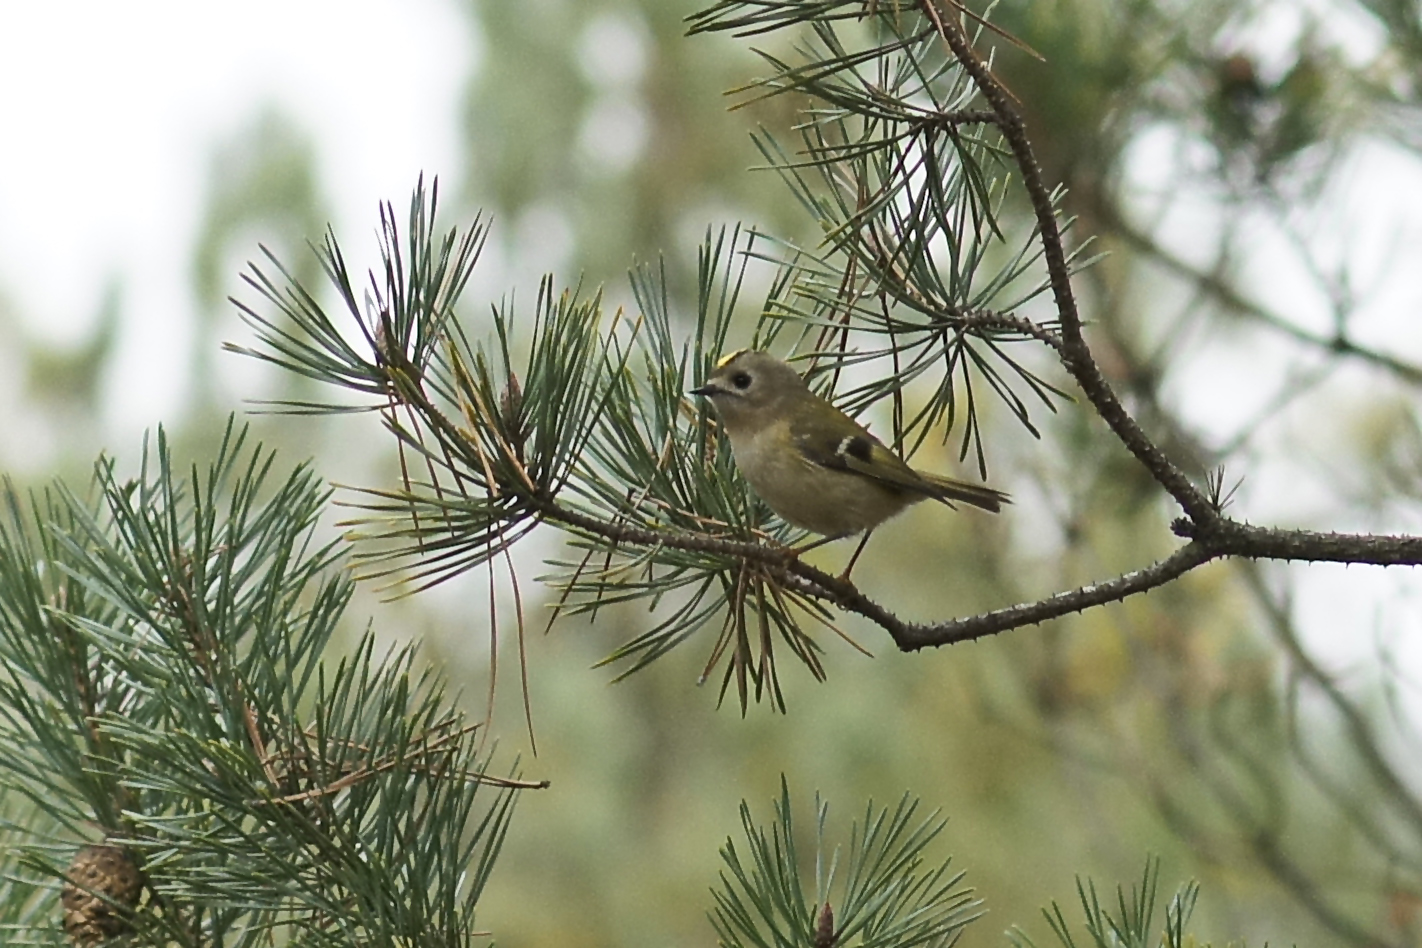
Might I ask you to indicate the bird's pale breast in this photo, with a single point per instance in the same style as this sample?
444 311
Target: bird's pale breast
809 495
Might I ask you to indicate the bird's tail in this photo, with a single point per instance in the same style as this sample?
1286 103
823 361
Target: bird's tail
979 495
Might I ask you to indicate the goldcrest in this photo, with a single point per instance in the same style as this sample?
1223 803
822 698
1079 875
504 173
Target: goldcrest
811 463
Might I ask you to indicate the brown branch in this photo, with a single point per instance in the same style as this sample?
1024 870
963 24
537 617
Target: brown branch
956 117
1076 355
987 321
1220 537
1245 540
914 637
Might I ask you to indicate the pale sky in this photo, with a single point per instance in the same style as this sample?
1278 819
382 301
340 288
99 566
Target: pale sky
112 111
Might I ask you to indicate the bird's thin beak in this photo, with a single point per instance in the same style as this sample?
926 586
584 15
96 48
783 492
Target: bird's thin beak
706 390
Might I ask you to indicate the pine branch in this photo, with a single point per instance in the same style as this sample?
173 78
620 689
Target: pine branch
884 893
579 421
165 693
1130 923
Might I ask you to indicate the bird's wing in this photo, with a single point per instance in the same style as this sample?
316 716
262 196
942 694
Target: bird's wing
856 451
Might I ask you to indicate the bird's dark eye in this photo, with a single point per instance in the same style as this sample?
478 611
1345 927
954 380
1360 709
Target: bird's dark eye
741 380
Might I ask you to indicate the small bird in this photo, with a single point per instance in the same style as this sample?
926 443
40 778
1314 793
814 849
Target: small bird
811 463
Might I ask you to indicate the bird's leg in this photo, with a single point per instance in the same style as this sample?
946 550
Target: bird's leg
844 576
813 545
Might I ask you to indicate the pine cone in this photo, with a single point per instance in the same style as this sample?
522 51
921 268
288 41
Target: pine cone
104 881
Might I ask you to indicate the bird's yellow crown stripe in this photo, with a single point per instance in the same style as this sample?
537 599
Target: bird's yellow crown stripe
726 359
